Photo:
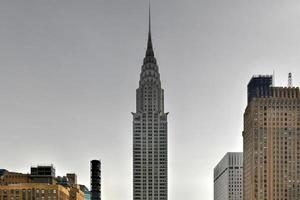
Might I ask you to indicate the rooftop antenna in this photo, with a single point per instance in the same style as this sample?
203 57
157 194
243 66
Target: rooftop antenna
273 78
149 51
290 80
150 16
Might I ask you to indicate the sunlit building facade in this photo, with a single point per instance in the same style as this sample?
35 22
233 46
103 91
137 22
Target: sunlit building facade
271 141
35 191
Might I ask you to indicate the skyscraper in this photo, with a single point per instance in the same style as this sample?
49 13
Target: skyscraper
150 138
95 180
271 141
228 177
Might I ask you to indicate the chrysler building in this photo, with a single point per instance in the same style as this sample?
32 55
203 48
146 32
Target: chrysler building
150 135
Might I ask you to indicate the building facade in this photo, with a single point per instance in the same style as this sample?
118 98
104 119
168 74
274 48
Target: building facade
35 191
14 178
228 177
40 191
40 184
150 135
271 140
96 180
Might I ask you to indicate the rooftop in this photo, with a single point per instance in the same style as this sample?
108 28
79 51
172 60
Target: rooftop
2 171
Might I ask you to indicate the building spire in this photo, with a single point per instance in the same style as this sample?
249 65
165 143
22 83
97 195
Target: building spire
150 17
149 52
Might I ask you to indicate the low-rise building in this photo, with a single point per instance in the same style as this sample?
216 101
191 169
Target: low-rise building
13 178
37 191
40 184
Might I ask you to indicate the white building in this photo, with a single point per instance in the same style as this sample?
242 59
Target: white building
228 177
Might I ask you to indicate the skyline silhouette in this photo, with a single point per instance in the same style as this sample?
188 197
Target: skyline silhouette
69 70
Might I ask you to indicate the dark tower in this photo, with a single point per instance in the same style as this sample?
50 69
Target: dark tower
95 180
260 86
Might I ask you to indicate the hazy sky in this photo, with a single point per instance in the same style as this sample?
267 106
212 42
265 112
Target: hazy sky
69 70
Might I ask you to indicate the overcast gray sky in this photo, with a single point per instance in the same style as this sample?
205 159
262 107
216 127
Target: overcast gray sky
69 70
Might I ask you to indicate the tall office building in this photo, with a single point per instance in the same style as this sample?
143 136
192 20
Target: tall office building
150 138
95 180
271 141
228 177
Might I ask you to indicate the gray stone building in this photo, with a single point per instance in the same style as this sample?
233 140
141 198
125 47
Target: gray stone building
150 138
